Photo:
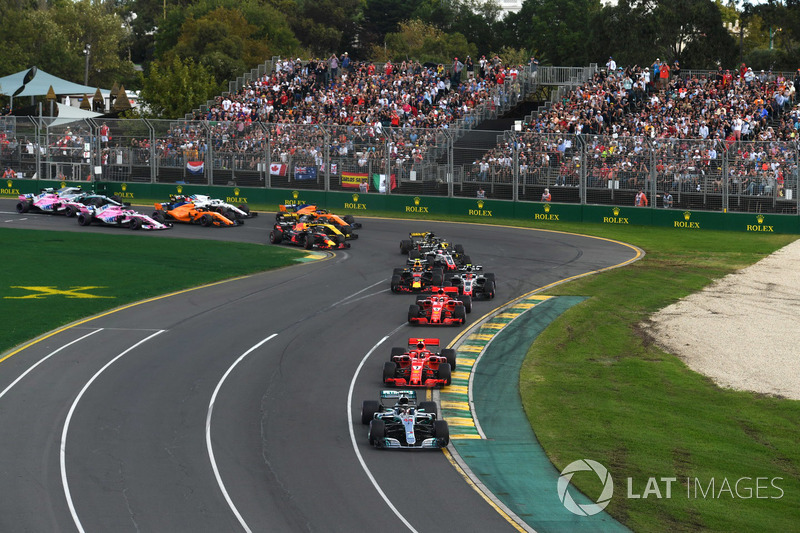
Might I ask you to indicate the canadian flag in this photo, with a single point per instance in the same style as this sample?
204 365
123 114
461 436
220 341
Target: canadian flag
277 169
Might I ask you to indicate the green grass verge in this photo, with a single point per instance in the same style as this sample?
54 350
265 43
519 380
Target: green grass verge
124 268
595 386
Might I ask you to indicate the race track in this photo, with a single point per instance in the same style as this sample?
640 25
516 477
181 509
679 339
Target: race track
226 408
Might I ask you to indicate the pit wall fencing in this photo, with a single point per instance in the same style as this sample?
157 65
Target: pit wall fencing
547 214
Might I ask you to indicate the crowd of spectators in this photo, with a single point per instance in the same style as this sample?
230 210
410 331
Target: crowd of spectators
396 109
622 115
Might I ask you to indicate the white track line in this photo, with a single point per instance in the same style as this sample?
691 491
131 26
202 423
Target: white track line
353 435
63 454
208 433
45 358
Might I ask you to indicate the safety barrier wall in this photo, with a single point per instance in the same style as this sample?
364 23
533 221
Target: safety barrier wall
551 214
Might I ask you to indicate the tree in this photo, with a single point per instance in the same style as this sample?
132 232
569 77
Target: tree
561 30
173 87
419 40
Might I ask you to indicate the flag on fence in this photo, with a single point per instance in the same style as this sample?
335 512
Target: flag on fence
195 167
379 182
277 169
305 173
352 180
334 168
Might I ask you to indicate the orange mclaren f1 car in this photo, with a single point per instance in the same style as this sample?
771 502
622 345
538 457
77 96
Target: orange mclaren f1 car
182 210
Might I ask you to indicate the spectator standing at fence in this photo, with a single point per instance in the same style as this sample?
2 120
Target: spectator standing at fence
363 186
534 66
546 197
345 62
481 193
104 135
334 64
9 174
667 199
611 65
469 66
458 66
641 199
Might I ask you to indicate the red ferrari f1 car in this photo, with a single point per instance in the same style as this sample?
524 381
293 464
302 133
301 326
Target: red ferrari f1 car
443 308
417 366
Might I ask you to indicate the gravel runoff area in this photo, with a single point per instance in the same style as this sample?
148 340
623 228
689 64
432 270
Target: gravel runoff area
742 331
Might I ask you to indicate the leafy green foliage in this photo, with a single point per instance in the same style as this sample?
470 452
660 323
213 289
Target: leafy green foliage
173 87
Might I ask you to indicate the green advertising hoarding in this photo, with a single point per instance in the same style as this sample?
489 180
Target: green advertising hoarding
548 212
481 209
613 215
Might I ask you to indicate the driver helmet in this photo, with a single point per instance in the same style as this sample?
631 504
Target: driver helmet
420 345
402 401
440 291
469 268
417 265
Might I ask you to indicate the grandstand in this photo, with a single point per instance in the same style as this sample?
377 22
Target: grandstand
714 140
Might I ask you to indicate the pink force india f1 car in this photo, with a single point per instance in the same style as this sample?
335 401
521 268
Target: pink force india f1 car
116 215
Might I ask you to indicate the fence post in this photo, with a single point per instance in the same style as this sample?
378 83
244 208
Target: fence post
726 175
651 171
326 159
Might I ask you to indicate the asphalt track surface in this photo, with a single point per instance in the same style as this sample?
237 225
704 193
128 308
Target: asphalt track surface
236 406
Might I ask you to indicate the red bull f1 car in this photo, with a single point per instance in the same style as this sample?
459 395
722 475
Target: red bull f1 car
419 277
403 423
310 213
418 366
444 308
322 236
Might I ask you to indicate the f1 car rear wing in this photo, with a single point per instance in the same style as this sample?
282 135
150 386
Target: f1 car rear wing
428 342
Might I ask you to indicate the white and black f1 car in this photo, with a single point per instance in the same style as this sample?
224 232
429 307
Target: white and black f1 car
472 281
404 424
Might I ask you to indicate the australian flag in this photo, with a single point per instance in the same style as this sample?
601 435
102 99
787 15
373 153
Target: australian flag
305 173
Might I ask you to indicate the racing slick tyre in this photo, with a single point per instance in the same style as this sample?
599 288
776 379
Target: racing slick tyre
420 299
437 279
459 249
450 355
489 277
430 259
206 220
308 242
377 431
84 219
349 219
368 410
467 299
70 211
459 313
159 216
136 224
246 209
23 207
397 271
441 431
445 373
414 254
466 260
405 246
488 289
430 408
116 198
389 370
98 202
413 312
395 284
275 236
397 350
